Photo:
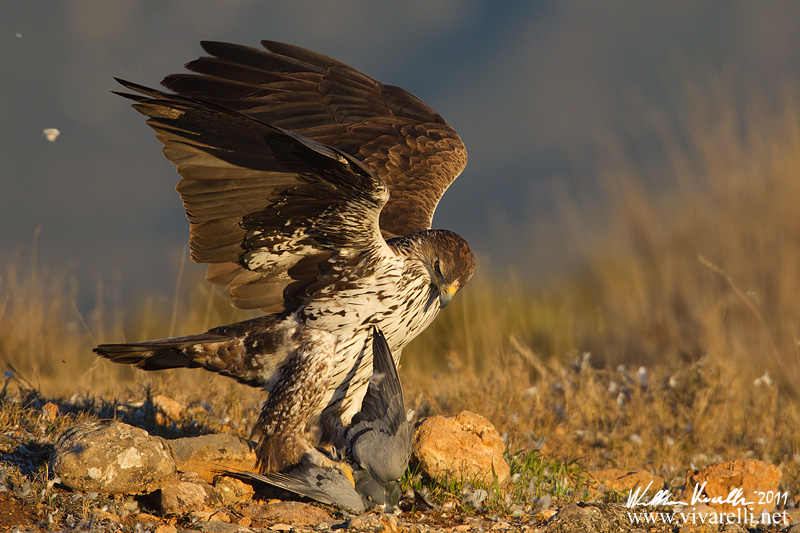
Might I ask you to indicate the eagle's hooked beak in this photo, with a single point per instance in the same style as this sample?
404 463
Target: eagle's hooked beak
446 294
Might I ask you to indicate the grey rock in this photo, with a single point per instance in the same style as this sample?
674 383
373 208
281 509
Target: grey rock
112 459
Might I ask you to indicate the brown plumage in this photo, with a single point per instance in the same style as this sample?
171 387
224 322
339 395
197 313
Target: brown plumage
296 169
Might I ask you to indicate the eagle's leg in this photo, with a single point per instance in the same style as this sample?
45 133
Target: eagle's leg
292 400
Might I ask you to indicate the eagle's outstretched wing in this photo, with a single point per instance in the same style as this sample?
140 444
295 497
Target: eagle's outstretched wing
394 133
270 210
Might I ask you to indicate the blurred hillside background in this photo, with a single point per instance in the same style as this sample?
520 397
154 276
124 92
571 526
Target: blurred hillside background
631 190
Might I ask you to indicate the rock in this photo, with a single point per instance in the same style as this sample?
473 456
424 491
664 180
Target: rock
113 459
187 493
49 412
371 523
700 519
599 518
233 490
295 513
207 454
624 481
463 448
168 409
165 528
723 478
209 515
219 527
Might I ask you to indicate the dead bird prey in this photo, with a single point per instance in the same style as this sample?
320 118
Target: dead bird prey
378 444
310 188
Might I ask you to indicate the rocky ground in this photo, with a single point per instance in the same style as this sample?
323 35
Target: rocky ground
66 466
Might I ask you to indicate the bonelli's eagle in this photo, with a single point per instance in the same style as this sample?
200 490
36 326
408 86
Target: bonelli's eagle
310 189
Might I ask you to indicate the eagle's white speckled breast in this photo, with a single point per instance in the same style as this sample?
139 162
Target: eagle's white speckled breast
396 298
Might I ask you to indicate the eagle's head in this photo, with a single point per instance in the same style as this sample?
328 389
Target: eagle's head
446 256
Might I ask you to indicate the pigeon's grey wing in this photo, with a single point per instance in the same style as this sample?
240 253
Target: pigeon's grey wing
323 484
382 453
379 438
384 388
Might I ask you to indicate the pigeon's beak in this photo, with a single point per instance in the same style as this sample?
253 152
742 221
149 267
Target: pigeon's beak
446 294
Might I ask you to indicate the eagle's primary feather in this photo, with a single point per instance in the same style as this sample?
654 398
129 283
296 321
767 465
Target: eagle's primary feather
310 190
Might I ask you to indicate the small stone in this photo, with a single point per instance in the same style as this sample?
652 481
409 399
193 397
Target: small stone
188 493
165 528
169 408
793 515
547 514
147 518
219 516
233 490
296 513
371 523
280 527
699 516
101 515
588 517
201 515
208 454
49 412
220 527
463 448
722 479
113 459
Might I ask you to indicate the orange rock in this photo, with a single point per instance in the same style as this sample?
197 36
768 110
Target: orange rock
49 412
207 454
464 448
233 490
169 409
729 483
295 513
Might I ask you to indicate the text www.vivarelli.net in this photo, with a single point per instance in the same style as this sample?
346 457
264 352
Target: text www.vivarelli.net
741 516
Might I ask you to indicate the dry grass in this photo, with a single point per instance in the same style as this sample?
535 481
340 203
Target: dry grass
697 284
697 279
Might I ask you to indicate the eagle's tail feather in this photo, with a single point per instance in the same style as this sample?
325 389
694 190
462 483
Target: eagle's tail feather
228 350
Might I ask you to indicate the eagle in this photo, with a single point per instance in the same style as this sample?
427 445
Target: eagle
378 445
310 188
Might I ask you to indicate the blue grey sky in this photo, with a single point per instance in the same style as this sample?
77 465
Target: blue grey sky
530 87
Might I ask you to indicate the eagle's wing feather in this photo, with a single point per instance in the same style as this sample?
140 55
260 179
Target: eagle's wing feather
394 133
267 206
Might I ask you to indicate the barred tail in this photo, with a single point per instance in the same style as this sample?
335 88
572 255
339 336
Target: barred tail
249 351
